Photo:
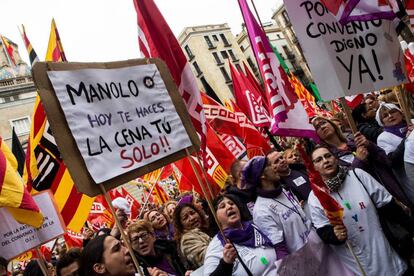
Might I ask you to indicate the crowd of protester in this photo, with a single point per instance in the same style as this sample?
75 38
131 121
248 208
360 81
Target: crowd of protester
267 210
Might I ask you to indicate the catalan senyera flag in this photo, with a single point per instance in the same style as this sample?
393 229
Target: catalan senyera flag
8 50
160 194
333 210
55 49
32 53
45 168
13 193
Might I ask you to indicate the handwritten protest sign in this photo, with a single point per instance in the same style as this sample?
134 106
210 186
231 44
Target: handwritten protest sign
16 238
346 59
122 119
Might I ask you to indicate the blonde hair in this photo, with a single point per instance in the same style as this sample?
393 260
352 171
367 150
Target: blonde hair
139 226
338 131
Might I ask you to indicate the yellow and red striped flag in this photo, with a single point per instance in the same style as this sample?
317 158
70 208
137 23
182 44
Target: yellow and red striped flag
32 53
45 168
55 49
8 50
13 193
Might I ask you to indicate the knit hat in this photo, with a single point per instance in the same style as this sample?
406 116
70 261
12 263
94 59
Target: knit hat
388 106
252 172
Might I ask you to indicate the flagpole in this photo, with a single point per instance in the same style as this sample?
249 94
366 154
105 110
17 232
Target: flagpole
399 93
41 261
210 190
257 14
361 268
121 229
150 193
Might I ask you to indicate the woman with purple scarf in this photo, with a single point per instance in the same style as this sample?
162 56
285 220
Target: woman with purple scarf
392 141
244 250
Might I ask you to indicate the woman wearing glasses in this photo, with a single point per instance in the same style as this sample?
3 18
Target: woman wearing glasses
392 141
363 199
156 256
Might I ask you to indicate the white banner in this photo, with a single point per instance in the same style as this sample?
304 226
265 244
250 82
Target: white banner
350 59
121 119
16 238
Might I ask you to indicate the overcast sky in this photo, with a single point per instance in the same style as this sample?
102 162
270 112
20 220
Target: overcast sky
106 30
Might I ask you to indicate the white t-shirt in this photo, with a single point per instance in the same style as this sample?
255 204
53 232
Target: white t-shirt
363 227
260 260
282 218
409 149
388 141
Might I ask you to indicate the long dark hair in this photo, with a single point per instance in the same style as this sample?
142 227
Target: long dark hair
178 226
92 254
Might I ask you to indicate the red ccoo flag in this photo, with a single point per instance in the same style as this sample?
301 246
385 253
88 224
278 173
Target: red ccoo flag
156 39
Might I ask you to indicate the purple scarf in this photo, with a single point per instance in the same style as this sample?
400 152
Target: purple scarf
248 236
398 130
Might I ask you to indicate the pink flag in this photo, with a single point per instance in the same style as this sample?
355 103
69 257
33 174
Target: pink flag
289 117
156 39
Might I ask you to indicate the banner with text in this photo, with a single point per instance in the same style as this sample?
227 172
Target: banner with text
349 59
16 238
121 119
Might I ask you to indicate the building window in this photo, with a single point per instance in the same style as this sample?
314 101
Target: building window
197 68
238 67
208 41
233 57
217 58
223 37
231 88
278 36
224 54
189 53
252 65
286 17
215 38
225 75
21 125
242 48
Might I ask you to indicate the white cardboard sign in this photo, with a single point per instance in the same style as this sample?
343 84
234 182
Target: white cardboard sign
16 238
358 57
121 119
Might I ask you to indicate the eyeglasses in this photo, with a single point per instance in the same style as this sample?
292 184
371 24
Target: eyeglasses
143 236
388 113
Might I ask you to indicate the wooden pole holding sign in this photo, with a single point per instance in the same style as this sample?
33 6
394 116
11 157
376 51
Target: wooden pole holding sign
41 261
121 230
348 114
406 112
